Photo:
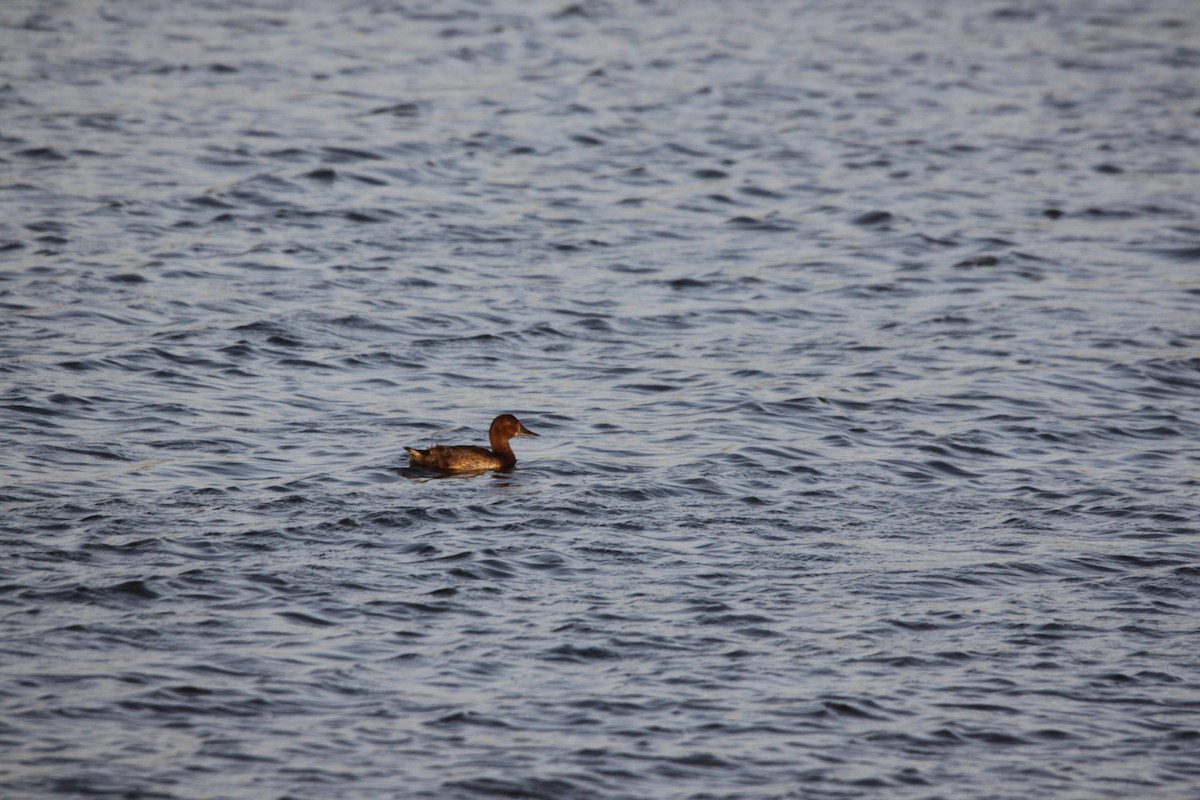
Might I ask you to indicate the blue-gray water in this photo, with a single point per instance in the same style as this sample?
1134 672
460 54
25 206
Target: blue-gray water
863 339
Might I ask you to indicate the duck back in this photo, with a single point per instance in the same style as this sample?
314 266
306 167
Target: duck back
456 458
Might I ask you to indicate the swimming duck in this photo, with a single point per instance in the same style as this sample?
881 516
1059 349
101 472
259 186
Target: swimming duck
469 458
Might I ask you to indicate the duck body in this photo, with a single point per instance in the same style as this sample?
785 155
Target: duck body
470 458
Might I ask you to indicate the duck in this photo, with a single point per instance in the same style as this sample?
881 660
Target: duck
470 458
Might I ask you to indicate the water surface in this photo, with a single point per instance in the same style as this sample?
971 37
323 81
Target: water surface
863 341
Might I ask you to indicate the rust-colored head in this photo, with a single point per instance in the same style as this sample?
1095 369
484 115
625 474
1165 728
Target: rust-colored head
505 427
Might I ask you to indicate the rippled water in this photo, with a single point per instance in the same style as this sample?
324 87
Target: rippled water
863 339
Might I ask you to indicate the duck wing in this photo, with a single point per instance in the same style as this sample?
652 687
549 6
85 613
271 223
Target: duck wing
454 458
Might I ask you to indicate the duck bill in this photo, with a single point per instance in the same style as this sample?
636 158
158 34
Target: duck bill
525 432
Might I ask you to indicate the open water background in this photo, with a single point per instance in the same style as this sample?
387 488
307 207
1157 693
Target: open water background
863 339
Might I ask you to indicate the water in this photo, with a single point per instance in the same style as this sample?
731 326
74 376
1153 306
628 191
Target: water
863 339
